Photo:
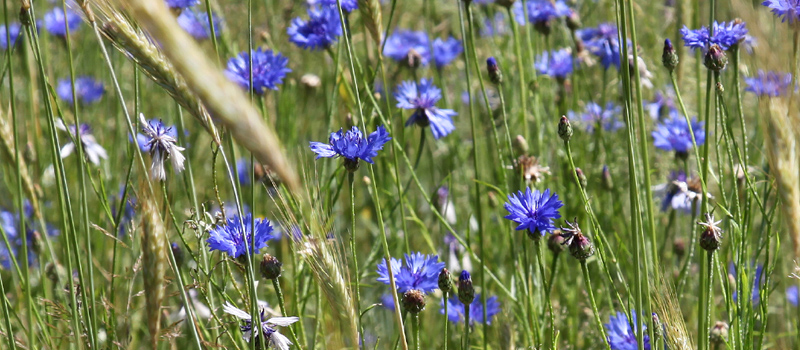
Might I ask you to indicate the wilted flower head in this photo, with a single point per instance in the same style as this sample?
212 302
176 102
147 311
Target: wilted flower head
91 148
445 51
711 237
268 70
673 135
12 31
352 146
533 211
557 64
620 334
420 272
268 327
769 84
456 309
603 42
320 31
422 98
408 47
56 21
161 142
726 35
181 4
680 192
785 9
595 115
530 168
230 237
195 22
87 89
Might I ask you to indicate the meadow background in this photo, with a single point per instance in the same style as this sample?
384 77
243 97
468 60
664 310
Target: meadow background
99 250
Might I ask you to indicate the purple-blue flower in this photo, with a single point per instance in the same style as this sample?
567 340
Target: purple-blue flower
673 134
422 98
11 224
408 46
540 12
785 9
387 301
557 64
87 89
755 291
161 142
445 51
195 22
533 210
56 20
620 334
320 31
181 4
347 5
791 295
680 192
455 310
420 272
12 32
769 84
268 70
352 145
602 42
662 106
230 238
607 117
495 26
726 34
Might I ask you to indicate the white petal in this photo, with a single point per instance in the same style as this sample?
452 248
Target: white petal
67 150
157 167
280 342
233 310
283 321
60 124
177 159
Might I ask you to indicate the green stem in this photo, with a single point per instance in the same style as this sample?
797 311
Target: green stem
446 319
277 285
354 256
595 310
523 91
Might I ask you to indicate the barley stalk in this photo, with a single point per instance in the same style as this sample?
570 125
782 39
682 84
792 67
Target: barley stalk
154 250
371 15
7 150
782 153
667 307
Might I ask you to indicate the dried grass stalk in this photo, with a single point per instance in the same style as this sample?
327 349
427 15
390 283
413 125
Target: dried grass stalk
8 153
666 306
154 252
780 139
371 15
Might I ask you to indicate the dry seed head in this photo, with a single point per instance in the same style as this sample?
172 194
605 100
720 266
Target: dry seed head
154 253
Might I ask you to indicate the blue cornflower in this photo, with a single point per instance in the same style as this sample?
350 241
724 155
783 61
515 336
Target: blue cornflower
11 31
387 301
195 22
320 31
11 224
54 21
409 47
791 295
557 64
161 142
533 210
602 42
785 9
91 149
267 327
445 51
755 291
455 309
620 334
422 98
663 105
420 272
242 170
607 117
680 192
495 26
181 4
87 89
769 84
673 135
541 13
726 34
347 5
8 223
230 239
352 146
268 70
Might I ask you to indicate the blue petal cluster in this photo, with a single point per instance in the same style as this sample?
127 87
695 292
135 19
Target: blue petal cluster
347 5
420 272
785 9
673 134
446 51
595 115
422 98
620 334
268 70
11 31
455 310
195 22
603 42
181 4
769 84
56 21
320 31
533 210
352 145
726 34
540 11
791 295
401 43
87 89
680 192
755 291
557 64
230 238
11 225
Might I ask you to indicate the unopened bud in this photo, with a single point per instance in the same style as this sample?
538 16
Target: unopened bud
564 129
719 333
669 58
581 177
711 238
445 281
520 145
608 182
466 291
573 21
177 252
270 267
715 59
351 165
495 75
555 242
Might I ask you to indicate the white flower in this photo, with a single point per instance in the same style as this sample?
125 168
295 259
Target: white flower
91 148
162 143
268 327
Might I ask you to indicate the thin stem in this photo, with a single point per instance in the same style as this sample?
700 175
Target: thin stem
595 310
354 256
446 319
523 91
277 285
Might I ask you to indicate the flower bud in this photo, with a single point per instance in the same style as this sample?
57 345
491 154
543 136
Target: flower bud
679 247
581 177
715 58
520 145
669 58
270 267
177 252
608 182
445 281
573 21
555 242
581 248
466 291
564 129
719 334
413 301
495 75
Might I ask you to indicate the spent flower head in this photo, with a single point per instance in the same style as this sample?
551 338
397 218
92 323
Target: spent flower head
422 97
92 150
161 142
